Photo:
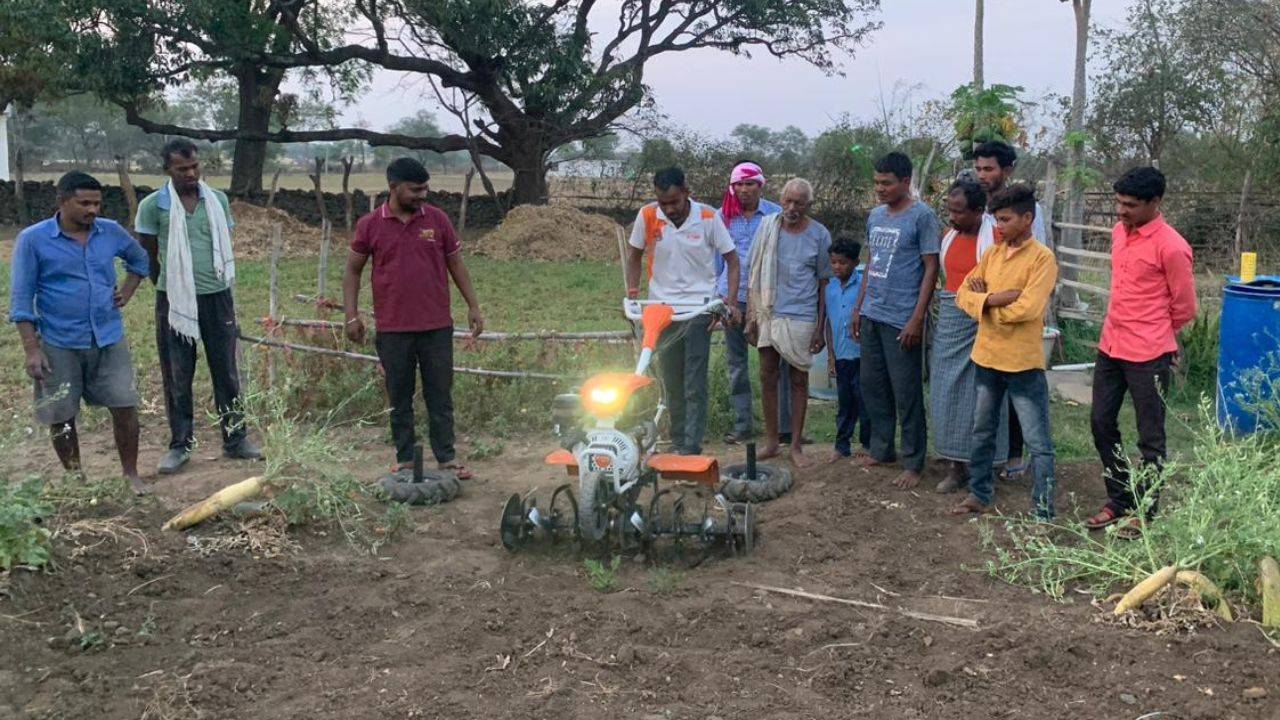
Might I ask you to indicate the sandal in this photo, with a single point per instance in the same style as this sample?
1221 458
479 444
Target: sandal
1013 473
458 469
1129 528
1104 517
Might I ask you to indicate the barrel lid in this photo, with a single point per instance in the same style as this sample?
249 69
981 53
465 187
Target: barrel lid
1265 285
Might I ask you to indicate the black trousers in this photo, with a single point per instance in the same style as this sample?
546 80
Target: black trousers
1146 383
404 355
218 333
892 391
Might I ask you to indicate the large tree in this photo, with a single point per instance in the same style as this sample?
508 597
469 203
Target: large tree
1154 84
530 76
135 53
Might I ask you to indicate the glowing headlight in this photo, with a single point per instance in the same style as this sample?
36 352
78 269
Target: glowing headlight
604 395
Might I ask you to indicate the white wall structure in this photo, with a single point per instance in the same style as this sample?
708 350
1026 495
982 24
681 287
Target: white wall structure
4 145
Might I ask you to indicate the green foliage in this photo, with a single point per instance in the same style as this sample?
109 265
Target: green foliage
483 449
1200 355
987 114
665 581
24 540
1217 516
602 578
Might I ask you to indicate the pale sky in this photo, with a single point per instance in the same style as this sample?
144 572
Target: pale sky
929 42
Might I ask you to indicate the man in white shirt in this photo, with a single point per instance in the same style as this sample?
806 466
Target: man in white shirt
683 239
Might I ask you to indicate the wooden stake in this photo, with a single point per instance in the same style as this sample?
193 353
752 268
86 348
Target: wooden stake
273 304
946 619
275 183
347 162
466 194
130 195
315 181
322 271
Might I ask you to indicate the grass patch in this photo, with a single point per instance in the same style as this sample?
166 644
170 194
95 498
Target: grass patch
665 581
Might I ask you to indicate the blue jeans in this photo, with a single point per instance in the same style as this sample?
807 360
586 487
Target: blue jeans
1029 392
852 412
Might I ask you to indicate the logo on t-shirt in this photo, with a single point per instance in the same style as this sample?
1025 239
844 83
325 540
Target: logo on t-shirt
884 243
429 234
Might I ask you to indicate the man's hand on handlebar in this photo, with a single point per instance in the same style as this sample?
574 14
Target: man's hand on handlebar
733 314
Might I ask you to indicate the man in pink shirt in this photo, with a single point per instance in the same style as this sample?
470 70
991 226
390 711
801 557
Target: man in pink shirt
1153 296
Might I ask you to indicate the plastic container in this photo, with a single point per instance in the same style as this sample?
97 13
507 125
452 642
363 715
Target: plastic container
1249 352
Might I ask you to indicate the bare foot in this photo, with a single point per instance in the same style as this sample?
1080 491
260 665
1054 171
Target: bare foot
865 461
835 457
907 480
139 488
798 458
769 451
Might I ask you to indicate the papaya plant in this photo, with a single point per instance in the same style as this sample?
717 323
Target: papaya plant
986 114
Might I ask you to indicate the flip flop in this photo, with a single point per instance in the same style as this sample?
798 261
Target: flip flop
1104 517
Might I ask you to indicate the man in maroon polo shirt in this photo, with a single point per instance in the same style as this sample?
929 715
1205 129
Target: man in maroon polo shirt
412 245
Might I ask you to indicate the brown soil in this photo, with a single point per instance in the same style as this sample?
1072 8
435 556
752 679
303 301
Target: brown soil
444 623
554 233
255 226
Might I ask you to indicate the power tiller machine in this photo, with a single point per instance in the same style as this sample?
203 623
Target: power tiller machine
620 506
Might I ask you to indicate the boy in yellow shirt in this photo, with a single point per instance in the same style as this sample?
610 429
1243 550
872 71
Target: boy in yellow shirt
1007 294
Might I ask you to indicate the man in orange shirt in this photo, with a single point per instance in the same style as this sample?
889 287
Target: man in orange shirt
1153 296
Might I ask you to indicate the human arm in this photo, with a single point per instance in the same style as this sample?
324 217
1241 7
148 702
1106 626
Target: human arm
137 266
1182 286
972 296
855 322
22 297
146 228
913 332
354 327
461 278
819 340
733 264
1033 299
635 256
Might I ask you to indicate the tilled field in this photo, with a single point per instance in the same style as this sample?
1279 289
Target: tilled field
444 623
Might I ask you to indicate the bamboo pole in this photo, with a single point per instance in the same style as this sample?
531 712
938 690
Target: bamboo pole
1085 287
1076 252
597 335
1086 228
374 358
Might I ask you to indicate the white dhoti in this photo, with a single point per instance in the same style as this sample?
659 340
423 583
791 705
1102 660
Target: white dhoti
790 338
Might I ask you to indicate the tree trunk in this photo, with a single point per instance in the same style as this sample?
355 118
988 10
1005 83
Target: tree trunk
1075 188
258 91
979 11
529 186
126 185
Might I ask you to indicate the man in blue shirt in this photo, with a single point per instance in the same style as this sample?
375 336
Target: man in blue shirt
742 211
66 305
903 239
843 353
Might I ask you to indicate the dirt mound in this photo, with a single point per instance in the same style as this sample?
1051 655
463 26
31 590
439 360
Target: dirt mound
255 224
554 233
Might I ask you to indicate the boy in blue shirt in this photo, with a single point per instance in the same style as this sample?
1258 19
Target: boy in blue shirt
843 353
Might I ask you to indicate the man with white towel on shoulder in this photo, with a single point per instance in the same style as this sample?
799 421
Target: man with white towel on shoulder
185 227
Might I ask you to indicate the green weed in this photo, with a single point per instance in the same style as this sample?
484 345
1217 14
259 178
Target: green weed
24 539
1217 516
483 449
600 577
665 581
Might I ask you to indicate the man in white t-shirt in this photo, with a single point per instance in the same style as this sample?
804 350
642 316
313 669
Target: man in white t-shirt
683 239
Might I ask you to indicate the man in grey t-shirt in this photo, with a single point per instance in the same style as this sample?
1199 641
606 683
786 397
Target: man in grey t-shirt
903 239
785 306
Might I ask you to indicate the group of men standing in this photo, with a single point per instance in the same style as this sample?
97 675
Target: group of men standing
791 292
66 304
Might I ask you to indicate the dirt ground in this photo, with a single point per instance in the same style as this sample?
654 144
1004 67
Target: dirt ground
444 623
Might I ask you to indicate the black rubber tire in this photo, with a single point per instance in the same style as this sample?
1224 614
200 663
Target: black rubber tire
437 486
771 483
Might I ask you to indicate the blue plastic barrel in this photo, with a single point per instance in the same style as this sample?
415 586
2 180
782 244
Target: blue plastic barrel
1249 351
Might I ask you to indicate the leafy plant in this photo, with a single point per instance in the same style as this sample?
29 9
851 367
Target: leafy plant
484 449
1217 516
665 581
24 540
988 114
600 577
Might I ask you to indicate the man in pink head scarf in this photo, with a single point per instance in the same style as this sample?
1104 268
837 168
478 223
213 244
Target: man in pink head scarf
742 211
